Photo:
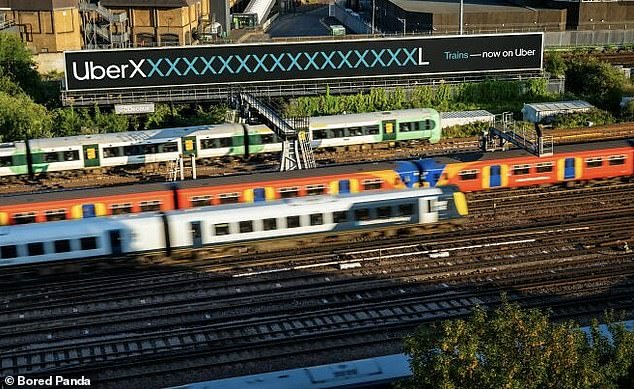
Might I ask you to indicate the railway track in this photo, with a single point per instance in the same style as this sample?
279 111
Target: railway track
225 166
229 315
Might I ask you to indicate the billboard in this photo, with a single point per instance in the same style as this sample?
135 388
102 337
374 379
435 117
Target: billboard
271 62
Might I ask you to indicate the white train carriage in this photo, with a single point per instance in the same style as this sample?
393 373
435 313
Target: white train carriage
345 130
263 140
140 147
13 159
291 217
80 239
217 141
58 154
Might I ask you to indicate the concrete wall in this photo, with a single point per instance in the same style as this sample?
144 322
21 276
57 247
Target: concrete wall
50 31
49 62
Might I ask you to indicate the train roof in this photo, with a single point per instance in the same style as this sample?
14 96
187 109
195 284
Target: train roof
66 229
69 194
293 206
353 118
138 137
289 175
344 374
516 153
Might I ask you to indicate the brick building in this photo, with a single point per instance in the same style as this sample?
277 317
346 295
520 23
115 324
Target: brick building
59 25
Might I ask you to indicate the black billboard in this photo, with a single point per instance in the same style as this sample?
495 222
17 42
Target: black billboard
270 62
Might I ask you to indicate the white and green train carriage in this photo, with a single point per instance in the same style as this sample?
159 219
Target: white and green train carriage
40 156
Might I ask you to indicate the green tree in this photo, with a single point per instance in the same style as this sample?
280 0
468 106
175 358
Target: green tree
515 348
21 118
16 63
555 64
598 82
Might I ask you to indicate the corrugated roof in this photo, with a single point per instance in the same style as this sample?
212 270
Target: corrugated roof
559 106
480 113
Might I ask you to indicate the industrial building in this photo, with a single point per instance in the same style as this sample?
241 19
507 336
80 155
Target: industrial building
59 25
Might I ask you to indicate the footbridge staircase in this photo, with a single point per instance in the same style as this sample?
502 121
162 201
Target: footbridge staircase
297 152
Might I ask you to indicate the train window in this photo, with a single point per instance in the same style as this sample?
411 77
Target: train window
316 219
207 144
221 229
120 209
340 216
521 169
320 134
55 214
225 142
246 226
371 130
129 151
267 139
150 149
111 152
71 155
150 206
355 131
594 162
286 193
362 214
337 133
384 212
544 167
313 190
405 210
35 248
170 147
24 218
61 246
426 125
372 184
88 243
616 160
468 174
51 157
9 251
405 127
201 201
229 198
6 161
269 224
292 221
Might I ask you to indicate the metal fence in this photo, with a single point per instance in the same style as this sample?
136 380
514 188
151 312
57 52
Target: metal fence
589 38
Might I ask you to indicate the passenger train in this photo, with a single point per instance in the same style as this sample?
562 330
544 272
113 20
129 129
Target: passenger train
256 226
469 172
102 151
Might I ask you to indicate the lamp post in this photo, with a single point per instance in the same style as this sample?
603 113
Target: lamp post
403 20
373 7
461 14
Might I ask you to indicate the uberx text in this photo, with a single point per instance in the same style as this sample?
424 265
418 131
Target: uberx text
57 380
97 72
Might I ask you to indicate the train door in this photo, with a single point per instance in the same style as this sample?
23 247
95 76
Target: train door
259 195
389 130
344 186
91 155
569 168
115 242
189 145
197 236
494 179
88 210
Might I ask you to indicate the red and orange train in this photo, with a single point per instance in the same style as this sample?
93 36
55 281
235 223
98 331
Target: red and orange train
469 172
